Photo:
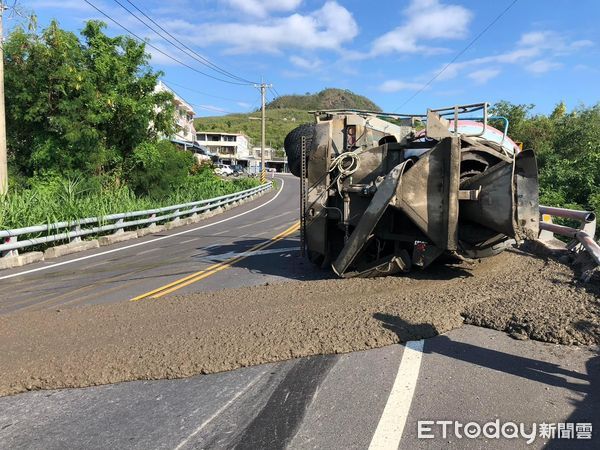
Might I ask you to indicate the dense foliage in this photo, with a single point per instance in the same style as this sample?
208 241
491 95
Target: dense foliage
85 128
567 145
52 198
80 106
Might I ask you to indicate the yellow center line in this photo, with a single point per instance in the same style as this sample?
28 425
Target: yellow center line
211 270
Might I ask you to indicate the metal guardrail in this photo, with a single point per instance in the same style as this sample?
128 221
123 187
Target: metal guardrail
583 236
68 231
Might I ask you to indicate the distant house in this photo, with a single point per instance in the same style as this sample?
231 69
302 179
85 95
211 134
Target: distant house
185 133
231 148
272 160
234 148
184 115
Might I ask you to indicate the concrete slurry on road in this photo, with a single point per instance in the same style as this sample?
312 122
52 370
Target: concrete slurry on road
324 402
371 398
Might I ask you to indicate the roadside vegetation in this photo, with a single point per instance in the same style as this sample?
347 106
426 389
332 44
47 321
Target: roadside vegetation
85 130
567 145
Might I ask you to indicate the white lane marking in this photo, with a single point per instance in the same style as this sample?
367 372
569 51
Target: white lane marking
39 269
391 425
219 411
228 255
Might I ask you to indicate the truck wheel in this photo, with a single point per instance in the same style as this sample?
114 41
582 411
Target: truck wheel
293 145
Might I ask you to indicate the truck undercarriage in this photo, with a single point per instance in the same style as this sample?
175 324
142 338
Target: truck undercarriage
381 193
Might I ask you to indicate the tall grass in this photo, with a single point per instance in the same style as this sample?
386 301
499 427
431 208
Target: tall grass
57 199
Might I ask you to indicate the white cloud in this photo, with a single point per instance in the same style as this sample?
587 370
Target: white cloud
535 51
305 63
261 8
399 85
425 20
551 40
326 28
484 75
542 66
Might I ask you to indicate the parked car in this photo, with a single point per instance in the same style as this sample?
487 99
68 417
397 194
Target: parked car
223 169
238 170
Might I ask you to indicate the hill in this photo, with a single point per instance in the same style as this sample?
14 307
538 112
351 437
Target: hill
279 123
284 114
326 99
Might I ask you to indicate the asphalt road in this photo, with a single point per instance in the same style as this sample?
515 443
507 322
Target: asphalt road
359 400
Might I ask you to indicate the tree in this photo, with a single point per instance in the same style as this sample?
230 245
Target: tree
79 106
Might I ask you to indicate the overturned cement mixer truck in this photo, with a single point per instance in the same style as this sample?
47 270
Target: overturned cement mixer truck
382 193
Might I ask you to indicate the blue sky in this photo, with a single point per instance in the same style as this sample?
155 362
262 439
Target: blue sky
539 52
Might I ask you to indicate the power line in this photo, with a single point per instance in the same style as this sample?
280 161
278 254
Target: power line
214 109
458 55
276 93
159 50
190 52
200 92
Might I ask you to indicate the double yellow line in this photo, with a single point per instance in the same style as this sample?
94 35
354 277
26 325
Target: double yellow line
211 270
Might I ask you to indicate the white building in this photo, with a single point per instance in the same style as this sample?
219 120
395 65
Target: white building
231 148
184 116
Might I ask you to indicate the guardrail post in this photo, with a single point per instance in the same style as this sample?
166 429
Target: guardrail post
10 240
119 230
77 229
151 217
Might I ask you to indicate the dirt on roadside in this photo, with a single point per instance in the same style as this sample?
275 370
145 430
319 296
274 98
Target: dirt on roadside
527 296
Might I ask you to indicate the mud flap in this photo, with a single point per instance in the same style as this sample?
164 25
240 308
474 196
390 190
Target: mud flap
527 195
360 236
428 194
508 201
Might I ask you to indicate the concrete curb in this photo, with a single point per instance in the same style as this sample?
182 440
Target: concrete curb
71 247
150 230
118 237
9 262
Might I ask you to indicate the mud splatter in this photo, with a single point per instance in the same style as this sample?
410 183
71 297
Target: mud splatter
530 297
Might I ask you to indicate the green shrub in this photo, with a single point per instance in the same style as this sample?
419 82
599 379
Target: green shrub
157 169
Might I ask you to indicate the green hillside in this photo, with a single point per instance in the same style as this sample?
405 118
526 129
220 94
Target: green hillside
284 114
279 123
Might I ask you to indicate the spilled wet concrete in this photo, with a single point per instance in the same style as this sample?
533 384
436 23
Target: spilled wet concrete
529 297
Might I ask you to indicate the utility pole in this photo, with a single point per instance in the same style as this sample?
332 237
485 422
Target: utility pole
3 157
263 89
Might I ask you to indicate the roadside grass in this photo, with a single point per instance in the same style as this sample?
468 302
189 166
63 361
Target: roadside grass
58 199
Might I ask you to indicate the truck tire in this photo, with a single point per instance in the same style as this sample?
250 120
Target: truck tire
293 145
